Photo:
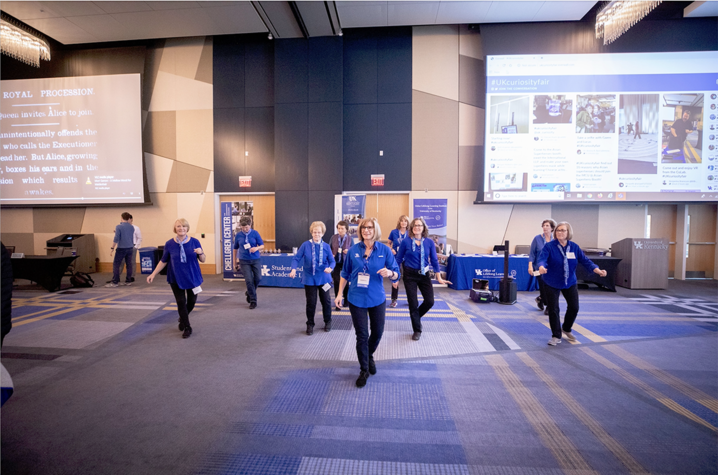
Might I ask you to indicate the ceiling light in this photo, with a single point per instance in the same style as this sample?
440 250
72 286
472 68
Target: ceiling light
270 37
620 15
21 45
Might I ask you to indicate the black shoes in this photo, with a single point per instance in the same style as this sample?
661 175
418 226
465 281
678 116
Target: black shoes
253 305
372 366
539 302
187 332
181 326
327 326
310 329
545 311
361 380
416 336
246 294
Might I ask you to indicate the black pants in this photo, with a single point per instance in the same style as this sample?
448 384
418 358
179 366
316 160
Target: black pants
554 318
542 290
311 292
252 270
122 254
367 344
185 302
413 280
336 277
395 291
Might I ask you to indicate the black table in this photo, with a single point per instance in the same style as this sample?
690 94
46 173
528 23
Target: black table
45 270
609 264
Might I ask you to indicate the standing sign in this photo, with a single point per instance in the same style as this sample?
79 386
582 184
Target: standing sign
434 212
352 210
232 212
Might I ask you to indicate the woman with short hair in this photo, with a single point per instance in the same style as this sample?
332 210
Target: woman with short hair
557 265
340 244
416 254
184 274
547 225
368 263
396 236
246 255
318 262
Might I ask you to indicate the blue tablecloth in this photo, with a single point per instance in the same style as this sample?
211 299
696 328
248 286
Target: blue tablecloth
462 269
276 269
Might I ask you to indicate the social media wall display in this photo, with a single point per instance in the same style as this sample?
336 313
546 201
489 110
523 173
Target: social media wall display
602 127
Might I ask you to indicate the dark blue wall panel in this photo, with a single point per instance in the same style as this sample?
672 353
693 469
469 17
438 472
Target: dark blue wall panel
360 145
259 142
321 208
229 161
259 73
291 147
325 59
394 65
325 146
292 221
290 71
360 67
228 72
394 138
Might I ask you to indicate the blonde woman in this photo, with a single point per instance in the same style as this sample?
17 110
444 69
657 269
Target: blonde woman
396 236
184 275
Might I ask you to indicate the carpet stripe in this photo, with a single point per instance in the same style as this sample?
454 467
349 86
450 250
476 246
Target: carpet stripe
550 434
326 466
611 444
507 339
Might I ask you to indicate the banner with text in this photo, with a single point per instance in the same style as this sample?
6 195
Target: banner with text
352 210
232 212
434 212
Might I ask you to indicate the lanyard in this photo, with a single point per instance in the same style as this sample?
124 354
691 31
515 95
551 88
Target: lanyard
366 259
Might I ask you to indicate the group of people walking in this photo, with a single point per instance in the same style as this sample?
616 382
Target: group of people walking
357 273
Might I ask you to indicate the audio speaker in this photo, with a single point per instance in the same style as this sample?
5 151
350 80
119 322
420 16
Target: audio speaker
507 291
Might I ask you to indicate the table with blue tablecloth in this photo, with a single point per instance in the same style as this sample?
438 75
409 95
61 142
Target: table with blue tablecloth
463 269
276 269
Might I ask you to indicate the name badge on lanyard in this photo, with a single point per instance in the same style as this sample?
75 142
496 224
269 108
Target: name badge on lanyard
363 280
570 255
247 246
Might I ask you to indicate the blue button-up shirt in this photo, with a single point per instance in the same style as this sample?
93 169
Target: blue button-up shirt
304 255
373 294
254 240
552 259
413 258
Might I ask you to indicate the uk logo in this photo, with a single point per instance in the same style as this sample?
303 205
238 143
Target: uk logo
638 244
265 271
478 272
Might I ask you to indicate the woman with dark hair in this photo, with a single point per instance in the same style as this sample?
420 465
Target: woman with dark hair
247 244
340 244
396 236
547 225
557 265
368 263
318 262
416 254
184 275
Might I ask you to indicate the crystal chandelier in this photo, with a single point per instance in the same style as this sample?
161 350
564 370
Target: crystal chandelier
21 45
620 15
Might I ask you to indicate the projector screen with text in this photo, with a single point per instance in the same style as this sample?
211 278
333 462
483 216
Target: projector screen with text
601 127
74 140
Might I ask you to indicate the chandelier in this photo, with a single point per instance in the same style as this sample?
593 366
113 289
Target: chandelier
620 15
21 45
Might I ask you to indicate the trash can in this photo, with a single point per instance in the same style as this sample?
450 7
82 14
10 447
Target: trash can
148 260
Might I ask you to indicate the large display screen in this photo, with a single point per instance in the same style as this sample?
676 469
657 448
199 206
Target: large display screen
74 140
601 127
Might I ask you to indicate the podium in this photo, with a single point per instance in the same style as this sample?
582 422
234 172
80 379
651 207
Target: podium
644 263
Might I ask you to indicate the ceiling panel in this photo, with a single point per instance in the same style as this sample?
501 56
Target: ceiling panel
506 12
122 7
316 18
233 17
100 26
412 13
362 14
701 9
61 28
562 11
60 9
173 5
462 12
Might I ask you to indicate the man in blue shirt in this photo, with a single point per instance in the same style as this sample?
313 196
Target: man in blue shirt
247 244
123 243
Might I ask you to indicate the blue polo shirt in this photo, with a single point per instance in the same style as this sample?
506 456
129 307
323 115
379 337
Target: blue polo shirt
254 240
396 238
413 258
373 294
304 255
551 258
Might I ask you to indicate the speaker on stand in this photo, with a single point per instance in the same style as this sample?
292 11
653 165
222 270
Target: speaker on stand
507 286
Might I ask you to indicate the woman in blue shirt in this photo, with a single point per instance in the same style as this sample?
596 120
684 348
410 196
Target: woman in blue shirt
396 236
416 254
247 244
318 263
548 225
557 265
368 263
184 275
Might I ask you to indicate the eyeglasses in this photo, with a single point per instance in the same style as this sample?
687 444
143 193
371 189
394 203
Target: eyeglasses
367 227
561 231
418 225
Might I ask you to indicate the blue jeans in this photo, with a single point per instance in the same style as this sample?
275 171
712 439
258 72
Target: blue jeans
367 344
122 254
252 270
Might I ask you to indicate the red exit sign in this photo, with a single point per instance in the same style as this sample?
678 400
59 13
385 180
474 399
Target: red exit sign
245 182
377 180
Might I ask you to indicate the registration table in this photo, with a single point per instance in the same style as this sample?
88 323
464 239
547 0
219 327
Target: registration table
276 269
463 269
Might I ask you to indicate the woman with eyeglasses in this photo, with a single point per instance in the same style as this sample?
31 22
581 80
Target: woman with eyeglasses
548 225
340 244
416 254
368 263
316 257
396 236
557 266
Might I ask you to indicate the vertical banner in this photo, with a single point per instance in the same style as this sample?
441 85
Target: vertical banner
352 211
434 212
232 212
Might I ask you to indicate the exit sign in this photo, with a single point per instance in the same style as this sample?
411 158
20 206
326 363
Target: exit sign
245 182
377 180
